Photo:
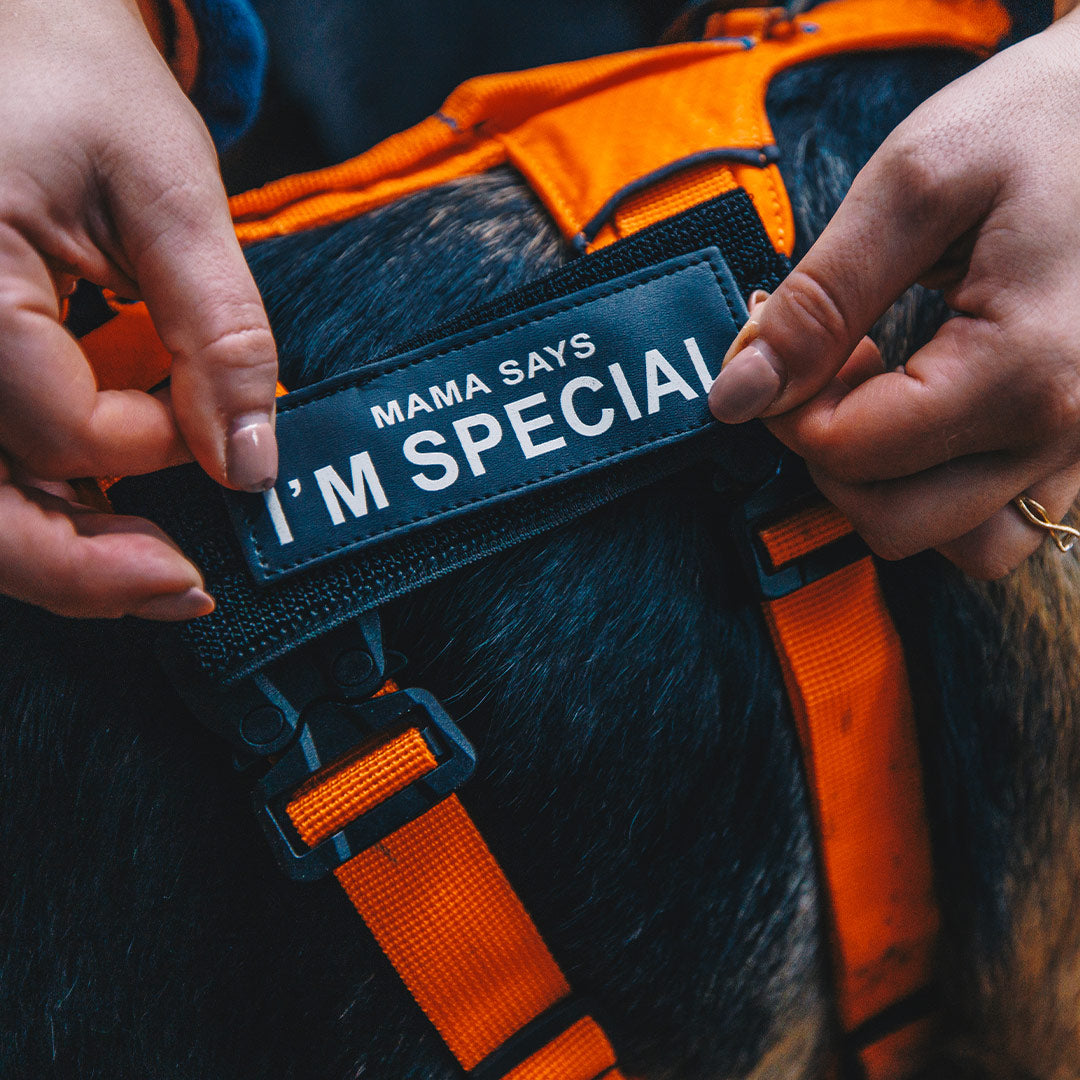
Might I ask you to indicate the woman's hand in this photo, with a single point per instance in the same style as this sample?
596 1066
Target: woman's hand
107 173
976 193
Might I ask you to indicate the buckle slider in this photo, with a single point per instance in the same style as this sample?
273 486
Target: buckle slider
260 714
787 492
329 732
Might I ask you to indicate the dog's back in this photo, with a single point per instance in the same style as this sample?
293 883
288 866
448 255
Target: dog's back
639 775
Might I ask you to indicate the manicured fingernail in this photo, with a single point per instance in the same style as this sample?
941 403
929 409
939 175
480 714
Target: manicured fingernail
251 459
757 298
747 385
749 332
177 606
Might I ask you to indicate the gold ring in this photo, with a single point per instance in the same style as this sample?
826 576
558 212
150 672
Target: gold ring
1064 535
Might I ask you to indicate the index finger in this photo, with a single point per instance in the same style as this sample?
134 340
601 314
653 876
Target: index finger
951 399
174 223
53 418
81 563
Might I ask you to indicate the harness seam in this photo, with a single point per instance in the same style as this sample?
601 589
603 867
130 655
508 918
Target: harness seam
558 198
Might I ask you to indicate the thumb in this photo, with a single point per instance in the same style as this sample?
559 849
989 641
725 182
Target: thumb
901 216
208 312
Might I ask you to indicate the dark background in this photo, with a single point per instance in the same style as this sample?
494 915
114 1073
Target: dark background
346 73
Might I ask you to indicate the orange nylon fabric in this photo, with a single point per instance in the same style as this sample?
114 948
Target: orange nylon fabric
443 912
182 52
804 532
581 1050
331 804
126 352
579 132
899 1054
847 682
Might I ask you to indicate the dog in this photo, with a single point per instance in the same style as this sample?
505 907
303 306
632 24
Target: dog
639 775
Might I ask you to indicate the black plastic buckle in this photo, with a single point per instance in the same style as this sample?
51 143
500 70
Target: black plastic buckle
260 715
789 491
332 730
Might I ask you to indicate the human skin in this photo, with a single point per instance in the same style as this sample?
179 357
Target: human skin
976 194
108 173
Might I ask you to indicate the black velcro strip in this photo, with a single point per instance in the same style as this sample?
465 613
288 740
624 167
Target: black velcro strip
908 1010
254 624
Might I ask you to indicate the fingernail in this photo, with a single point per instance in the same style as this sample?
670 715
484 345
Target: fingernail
251 459
747 385
749 332
177 606
751 328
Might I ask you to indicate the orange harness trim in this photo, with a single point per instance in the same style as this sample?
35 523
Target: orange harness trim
612 145
179 45
442 910
580 133
847 682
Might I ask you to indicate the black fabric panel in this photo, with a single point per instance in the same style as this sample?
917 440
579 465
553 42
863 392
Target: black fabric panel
1029 16
87 309
253 625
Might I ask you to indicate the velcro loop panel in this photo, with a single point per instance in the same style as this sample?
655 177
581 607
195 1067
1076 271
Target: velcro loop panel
252 625
444 914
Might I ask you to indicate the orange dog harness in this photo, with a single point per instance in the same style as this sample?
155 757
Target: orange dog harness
612 145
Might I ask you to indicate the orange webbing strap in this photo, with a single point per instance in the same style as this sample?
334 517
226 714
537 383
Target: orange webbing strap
588 135
443 912
847 682
126 352
172 29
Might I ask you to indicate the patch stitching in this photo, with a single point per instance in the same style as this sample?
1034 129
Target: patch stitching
271 571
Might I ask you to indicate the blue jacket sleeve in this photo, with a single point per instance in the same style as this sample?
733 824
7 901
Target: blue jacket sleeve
232 66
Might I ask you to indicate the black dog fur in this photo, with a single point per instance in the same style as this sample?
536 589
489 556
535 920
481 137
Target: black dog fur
639 779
